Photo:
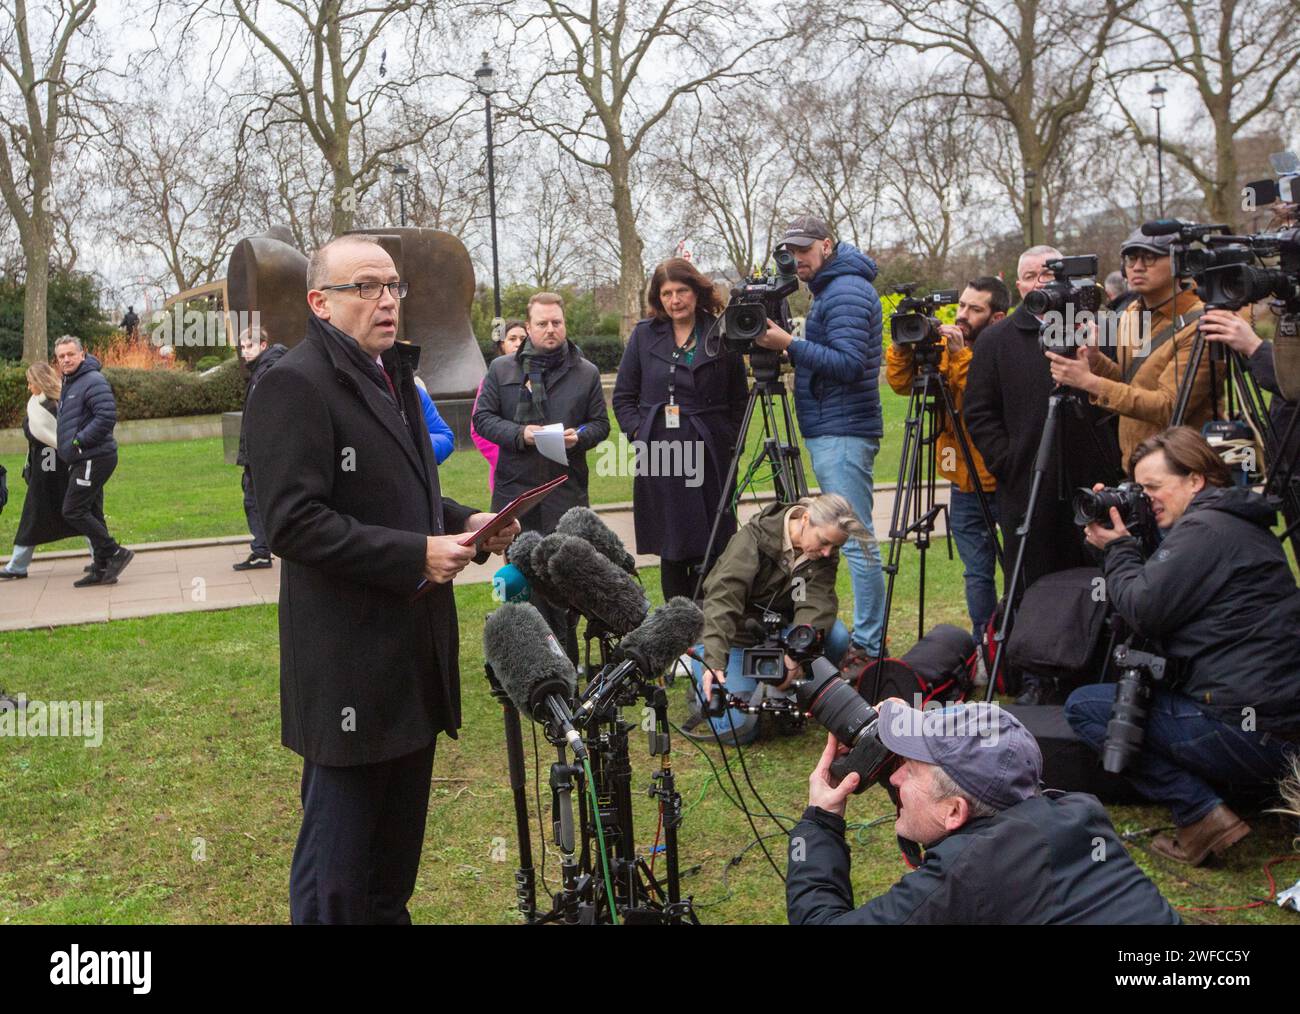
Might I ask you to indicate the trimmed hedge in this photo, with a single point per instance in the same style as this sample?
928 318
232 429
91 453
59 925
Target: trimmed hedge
143 394
605 350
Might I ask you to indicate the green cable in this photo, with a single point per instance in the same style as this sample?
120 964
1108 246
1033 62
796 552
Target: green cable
600 834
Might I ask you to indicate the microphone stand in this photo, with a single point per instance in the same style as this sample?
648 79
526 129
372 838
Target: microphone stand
566 905
525 875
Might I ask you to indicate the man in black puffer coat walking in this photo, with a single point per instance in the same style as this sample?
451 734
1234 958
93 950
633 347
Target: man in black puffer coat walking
87 415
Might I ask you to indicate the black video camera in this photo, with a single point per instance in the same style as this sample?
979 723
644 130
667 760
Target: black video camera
758 299
766 661
1134 506
913 323
1233 271
1072 297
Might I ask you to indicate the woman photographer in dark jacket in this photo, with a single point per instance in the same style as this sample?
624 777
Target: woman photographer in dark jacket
1219 596
685 407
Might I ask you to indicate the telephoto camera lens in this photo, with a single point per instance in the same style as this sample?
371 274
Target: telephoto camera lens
1127 725
830 700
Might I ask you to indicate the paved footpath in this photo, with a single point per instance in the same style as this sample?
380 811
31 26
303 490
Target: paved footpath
196 575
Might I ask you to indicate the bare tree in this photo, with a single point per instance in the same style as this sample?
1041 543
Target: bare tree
1032 63
180 190
598 91
313 68
1241 57
48 113
728 173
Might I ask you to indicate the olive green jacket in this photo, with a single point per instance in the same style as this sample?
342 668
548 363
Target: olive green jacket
749 577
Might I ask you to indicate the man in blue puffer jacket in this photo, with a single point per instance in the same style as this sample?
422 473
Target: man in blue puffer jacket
837 397
87 415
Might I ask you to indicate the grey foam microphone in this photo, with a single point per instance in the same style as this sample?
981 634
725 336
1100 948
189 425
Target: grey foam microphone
532 668
591 584
520 553
656 644
584 523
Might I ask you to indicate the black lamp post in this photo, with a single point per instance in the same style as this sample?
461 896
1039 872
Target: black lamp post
485 80
1031 179
400 173
1158 103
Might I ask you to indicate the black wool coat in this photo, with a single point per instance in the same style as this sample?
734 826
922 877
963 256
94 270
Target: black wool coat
1005 410
348 491
575 398
673 519
47 485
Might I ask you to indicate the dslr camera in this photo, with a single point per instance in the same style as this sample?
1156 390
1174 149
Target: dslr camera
1134 506
756 300
913 324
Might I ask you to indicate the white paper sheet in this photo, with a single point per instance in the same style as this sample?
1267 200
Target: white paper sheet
550 442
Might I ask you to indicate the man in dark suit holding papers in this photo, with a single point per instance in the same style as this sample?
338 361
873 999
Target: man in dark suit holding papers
348 490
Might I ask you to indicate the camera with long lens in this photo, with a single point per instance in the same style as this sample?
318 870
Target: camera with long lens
756 300
1073 292
835 705
1134 506
1139 674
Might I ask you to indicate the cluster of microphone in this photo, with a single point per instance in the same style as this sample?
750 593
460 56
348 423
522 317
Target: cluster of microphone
581 566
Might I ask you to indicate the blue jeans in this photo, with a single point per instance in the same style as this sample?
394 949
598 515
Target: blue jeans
978 554
844 465
1185 752
745 727
21 559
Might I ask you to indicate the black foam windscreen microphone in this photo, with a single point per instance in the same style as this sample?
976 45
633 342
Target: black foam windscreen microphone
584 523
591 584
531 667
520 553
1162 227
671 630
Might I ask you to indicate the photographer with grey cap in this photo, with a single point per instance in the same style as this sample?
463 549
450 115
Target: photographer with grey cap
998 849
1153 348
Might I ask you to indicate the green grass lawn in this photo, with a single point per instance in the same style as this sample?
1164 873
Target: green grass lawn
189 810
185 490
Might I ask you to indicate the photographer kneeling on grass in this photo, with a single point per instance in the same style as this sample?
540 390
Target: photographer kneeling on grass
999 851
1219 594
782 561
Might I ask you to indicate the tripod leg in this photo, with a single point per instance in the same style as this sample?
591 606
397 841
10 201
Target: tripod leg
525 882
724 504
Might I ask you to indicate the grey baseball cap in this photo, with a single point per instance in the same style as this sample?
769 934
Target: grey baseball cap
805 231
1138 240
980 746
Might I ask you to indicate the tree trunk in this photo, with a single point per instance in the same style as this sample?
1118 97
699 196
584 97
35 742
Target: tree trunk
36 295
343 209
631 269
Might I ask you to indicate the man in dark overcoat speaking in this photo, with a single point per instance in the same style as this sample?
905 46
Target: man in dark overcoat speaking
348 490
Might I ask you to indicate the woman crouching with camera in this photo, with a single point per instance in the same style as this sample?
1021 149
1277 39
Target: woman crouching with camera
1218 596
782 561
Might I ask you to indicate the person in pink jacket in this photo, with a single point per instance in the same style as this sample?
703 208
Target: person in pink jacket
507 341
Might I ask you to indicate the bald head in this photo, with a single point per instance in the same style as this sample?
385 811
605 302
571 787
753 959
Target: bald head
1031 271
318 267
349 261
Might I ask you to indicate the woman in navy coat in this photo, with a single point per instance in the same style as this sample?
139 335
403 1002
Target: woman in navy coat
680 397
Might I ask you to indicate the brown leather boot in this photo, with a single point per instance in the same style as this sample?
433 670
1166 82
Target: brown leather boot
1216 832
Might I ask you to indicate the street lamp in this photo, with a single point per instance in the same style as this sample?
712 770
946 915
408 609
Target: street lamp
400 173
1158 103
1031 179
485 80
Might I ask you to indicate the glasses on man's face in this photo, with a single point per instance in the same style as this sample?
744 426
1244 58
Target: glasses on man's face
371 290
1146 257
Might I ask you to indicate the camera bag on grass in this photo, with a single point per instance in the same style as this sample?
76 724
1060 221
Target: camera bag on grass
939 667
1060 628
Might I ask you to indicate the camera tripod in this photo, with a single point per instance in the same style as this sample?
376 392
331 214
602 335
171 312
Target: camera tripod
929 406
779 448
1047 448
1243 396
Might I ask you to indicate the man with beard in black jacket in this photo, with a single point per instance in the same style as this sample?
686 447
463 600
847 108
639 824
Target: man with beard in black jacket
1218 600
1005 411
348 488
258 358
998 850
87 417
